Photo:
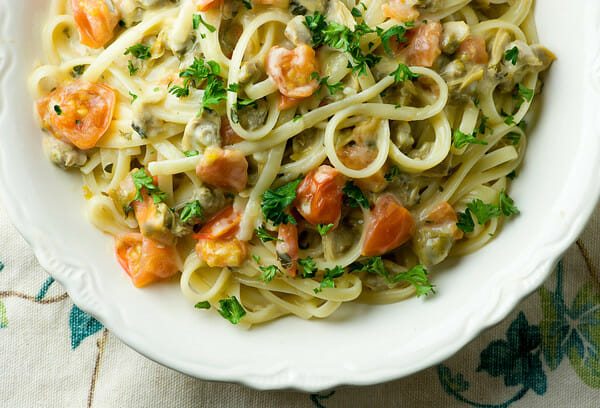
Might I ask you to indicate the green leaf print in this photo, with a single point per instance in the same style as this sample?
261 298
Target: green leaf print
583 353
3 317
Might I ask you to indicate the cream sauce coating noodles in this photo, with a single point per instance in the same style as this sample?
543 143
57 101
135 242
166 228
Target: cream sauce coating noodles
287 156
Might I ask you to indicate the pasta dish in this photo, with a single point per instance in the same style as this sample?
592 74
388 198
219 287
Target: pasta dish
286 156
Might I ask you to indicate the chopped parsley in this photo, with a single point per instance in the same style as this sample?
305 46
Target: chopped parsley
417 275
256 258
132 68
514 138
133 97
324 229
231 309
269 272
484 212
462 139
78 70
139 51
356 12
512 55
510 120
142 180
355 196
397 31
307 266
202 305
197 20
191 153
511 175
392 174
328 278
58 110
265 236
297 118
403 73
333 88
191 210
506 205
342 38
179 91
274 202
525 92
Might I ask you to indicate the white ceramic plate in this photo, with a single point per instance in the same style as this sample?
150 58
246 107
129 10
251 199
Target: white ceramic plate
556 190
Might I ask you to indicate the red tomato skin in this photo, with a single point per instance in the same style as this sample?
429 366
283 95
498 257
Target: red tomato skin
95 22
319 196
288 233
390 226
86 111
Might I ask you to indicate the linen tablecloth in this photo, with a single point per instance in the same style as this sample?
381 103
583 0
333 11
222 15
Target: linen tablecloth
546 353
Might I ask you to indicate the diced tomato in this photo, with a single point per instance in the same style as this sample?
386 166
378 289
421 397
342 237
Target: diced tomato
445 215
228 135
292 69
424 44
287 249
225 168
95 20
319 196
217 244
285 102
222 252
79 113
401 10
390 226
224 224
146 261
474 50
204 5
152 220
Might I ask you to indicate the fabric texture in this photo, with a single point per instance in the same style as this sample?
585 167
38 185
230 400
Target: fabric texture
546 353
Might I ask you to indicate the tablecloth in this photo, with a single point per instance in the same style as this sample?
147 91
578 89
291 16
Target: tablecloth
546 353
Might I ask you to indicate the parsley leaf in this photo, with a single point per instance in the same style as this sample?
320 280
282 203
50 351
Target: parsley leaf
356 12
482 211
269 272
506 204
58 110
143 180
191 210
324 229
297 118
397 31
133 97
355 196
132 68
462 139
139 51
275 201
514 138
416 276
333 88
308 268
265 236
256 258
328 279
316 25
78 70
231 309
179 91
197 20
465 221
392 174
403 73
525 92
191 153
512 55
202 305
512 175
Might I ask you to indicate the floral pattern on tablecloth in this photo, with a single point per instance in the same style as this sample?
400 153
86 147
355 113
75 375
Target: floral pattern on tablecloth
546 353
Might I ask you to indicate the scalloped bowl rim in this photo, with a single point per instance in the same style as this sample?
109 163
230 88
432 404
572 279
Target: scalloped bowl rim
84 288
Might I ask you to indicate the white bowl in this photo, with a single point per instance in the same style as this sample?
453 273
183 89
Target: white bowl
556 190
